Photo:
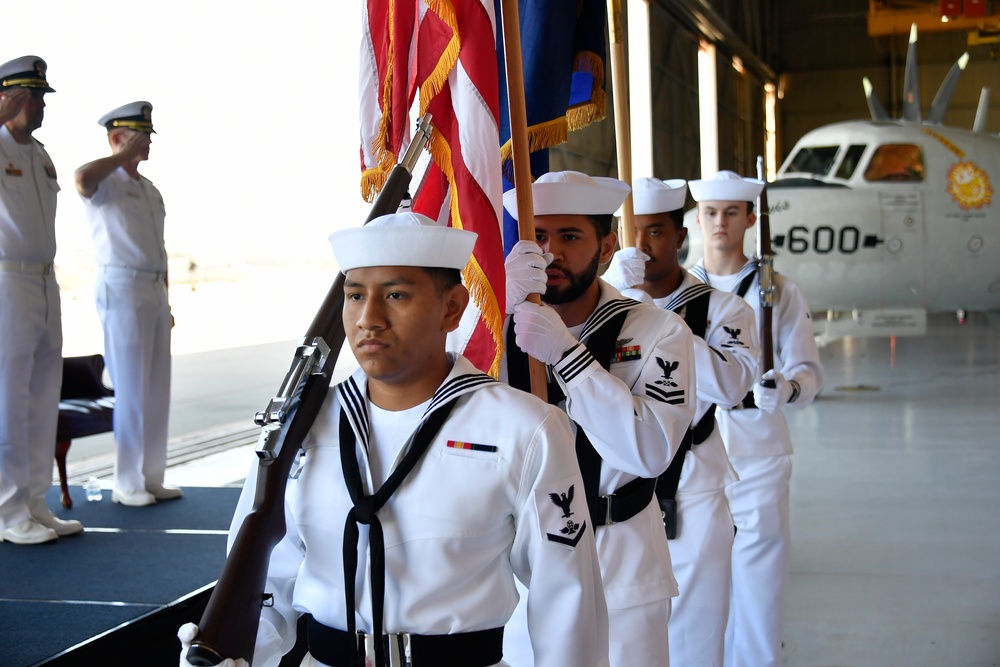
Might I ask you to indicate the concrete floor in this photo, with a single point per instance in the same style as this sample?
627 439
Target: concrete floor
895 494
895 500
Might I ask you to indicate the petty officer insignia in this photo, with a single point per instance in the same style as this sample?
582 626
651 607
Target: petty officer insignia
554 511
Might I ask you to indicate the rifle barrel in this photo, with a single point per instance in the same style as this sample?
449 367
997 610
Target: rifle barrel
228 627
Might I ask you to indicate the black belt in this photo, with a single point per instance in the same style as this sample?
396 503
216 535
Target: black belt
746 404
625 503
339 648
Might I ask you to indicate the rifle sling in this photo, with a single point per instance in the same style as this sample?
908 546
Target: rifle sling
696 317
632 497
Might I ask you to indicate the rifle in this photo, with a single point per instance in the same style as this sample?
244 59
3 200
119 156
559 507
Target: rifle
766 269
228 628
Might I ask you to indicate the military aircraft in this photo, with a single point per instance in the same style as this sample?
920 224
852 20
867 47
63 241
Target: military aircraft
883 221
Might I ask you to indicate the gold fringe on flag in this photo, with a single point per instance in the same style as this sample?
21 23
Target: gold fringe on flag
372 182
475 278
581 115
544 135
436 80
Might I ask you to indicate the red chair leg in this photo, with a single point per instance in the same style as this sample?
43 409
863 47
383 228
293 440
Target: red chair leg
62 448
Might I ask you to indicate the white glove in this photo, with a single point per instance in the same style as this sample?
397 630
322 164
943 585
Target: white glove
187 633
627 268
540 332
525 269
770 400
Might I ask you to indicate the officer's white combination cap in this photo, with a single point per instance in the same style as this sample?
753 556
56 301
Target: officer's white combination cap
25 72
651 195
726 186
134 116
573 193
402 239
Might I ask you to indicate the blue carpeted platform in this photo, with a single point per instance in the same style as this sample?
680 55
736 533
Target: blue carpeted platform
129 563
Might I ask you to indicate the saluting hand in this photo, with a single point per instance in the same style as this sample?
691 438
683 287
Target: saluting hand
134 146
627 269
11 103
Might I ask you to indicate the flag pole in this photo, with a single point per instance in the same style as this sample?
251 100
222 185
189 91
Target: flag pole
623 132
520 157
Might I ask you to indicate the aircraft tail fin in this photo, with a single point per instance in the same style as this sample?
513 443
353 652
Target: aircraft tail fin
943 98
911 79
875 107
982 111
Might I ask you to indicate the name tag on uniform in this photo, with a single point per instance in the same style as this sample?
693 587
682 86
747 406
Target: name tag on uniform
13 171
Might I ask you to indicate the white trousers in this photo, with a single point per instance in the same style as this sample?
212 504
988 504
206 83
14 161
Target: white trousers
701 556
636 636
30 382
309 661
136 319
761 550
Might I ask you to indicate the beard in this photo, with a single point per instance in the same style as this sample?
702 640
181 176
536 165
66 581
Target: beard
579 283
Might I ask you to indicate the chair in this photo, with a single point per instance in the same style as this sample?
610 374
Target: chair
86 407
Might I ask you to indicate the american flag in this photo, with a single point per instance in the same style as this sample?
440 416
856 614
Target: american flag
450 61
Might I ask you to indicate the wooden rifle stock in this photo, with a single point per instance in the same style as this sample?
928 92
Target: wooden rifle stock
228 628
766 269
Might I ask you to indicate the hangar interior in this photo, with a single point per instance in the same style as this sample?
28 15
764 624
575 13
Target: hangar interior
812 56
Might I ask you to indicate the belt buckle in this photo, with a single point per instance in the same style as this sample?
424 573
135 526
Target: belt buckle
607 513
397 647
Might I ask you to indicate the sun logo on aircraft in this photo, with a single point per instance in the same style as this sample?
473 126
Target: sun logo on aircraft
969 185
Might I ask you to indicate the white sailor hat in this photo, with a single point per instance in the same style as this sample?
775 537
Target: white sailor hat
570 192
25 72
402 239
726 186
651 195
136 116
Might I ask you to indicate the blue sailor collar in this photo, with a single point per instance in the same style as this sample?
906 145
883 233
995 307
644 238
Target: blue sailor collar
610 303
691 287
698 270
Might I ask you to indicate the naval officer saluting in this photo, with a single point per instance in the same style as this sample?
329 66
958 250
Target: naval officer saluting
126 216
474 484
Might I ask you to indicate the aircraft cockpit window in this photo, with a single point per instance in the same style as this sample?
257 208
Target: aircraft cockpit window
817 160
896 162
850 162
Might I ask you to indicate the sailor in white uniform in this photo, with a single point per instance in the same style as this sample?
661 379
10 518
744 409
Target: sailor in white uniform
692 491
624 373
30 319
482 486
126 216
754 429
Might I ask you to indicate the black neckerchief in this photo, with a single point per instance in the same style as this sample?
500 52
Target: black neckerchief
354 409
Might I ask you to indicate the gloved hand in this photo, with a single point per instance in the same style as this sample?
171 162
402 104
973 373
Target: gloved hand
540 332
187 633
525 269
627 268
770 400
